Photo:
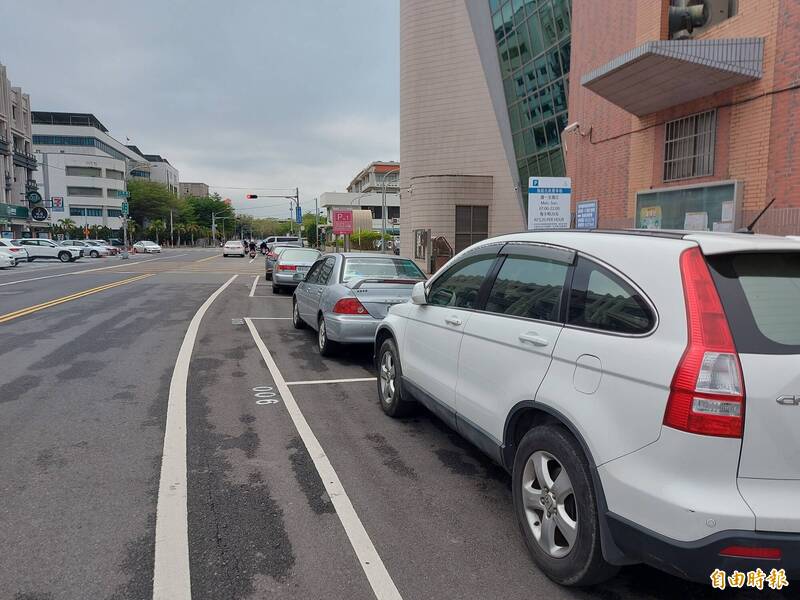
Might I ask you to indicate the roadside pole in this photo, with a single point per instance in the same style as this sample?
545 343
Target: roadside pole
383 208
316 223
124 211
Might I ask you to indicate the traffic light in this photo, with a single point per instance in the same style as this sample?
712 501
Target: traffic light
251 196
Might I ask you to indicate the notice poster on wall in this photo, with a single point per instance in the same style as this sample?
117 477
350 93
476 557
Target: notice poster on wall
696 221
549 203
650 217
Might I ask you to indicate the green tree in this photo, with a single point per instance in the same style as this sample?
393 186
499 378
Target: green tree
201 209
150 200
156 229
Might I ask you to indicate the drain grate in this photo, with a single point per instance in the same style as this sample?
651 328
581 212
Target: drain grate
237 321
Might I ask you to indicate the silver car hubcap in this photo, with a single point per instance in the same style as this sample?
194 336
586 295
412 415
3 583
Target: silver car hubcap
296 314
387 377
321 335
550 506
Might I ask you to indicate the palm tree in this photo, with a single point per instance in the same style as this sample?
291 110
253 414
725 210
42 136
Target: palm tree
193 229
157 227
180 229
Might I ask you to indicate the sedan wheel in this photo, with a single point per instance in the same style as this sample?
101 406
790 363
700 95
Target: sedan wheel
297 321
94 254
326 346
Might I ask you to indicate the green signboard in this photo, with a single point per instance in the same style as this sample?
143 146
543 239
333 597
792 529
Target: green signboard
11 211
124 208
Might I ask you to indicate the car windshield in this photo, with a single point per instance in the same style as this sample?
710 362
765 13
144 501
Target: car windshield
380 267
299 254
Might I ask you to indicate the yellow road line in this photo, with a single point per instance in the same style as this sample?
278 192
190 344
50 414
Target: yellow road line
32 309
207 258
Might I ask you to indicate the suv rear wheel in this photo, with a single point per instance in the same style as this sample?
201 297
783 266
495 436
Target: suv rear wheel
64 256
390 388
556 507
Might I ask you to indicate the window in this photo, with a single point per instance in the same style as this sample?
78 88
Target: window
325 270
85 191
114 174
391 268
112 193
94 212
114 212
84 172
74 211
459 286
689 146
393 212
313 272
602 300
528 287
472 225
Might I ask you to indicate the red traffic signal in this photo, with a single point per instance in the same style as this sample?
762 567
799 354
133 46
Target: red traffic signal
251 196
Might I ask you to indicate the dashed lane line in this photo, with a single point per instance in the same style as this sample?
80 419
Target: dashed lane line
171 579
320 381
382 585
207 258
55 302
88 270
253 289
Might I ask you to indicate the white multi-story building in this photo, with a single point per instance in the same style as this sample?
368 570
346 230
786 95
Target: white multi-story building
17 163
160 170
83 169
371 201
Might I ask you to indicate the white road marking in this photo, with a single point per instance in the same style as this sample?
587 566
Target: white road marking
171 573
379 578
139 262
251 260
275 297
253 289
351 380
270 318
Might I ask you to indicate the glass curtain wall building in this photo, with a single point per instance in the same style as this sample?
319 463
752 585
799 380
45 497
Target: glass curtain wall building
533 45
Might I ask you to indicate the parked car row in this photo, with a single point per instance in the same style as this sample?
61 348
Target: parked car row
15 251
641 388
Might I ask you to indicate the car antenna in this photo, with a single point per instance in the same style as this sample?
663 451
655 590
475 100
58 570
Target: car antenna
749 228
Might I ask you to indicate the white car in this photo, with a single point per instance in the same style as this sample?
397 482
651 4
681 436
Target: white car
6 261
18 253
88 248
642 388
146 247
233 248
38 248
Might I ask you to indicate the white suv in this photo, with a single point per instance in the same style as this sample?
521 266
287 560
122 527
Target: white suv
642 388
39 248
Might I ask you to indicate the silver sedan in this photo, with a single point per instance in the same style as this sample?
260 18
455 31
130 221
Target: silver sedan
345 296
291 267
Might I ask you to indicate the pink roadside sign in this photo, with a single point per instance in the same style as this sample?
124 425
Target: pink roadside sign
342 222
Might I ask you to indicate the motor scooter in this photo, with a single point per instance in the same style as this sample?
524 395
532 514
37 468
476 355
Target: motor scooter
252 253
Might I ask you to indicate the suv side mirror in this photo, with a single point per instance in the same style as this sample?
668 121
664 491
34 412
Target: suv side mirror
418 293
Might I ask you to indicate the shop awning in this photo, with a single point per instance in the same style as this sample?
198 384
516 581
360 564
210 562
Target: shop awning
665 73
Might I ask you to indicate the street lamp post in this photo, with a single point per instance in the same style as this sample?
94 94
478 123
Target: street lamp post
383 210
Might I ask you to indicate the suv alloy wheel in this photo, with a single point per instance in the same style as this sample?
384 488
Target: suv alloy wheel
556 507
390 389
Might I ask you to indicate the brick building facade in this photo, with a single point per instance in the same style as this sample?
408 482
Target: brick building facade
615 152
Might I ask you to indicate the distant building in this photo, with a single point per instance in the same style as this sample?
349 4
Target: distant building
370 178
160 170
199 190
83 169
17 162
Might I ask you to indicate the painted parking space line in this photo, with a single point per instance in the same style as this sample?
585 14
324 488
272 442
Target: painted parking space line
322 381
126 264
270 318
171 579
382 584
22 312
255 283
275 297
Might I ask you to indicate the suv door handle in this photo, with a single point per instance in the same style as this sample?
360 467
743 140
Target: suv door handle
533 338
454 321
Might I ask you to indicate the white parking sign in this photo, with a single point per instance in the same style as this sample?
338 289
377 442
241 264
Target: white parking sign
549 203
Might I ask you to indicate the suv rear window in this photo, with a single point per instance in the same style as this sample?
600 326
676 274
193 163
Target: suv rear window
761 296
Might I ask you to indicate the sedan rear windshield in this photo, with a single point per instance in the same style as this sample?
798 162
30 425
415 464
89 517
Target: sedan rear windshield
299 254
380 268
761 296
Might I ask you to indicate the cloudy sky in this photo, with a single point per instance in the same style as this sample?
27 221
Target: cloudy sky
235 93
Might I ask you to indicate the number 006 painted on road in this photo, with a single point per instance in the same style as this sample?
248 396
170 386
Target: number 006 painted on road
265 395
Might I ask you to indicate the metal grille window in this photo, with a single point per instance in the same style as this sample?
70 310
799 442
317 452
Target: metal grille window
689 146
472 225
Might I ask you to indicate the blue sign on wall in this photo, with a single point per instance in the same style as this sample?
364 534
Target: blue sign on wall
586 214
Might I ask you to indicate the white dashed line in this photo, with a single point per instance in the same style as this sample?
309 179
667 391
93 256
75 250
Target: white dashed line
320 381
379 578
253 289
270 318
171 573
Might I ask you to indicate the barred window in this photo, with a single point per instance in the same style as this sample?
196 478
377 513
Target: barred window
689 146
472 225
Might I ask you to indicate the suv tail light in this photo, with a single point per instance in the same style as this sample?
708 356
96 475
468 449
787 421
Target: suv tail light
349 306
707 392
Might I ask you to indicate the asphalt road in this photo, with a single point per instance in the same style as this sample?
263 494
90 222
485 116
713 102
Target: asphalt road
87 356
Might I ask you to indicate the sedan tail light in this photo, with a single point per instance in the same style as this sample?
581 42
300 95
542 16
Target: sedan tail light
349 306
287 267
707 392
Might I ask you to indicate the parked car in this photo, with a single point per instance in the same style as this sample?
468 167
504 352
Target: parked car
643 389
272 256
234 248
116 242
345 296
113 250
16 251
42 248
284 240
146 247
89 249
291 267
7 261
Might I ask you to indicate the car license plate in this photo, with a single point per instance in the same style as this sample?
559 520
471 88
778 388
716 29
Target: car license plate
302 269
